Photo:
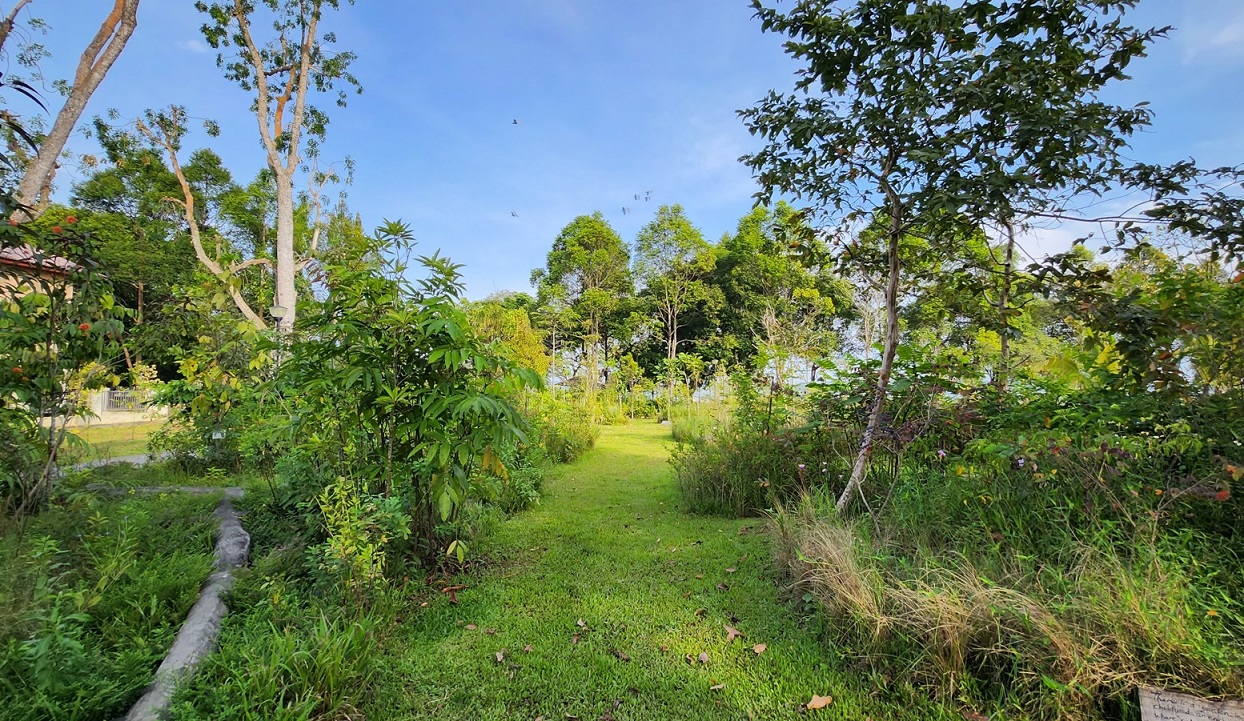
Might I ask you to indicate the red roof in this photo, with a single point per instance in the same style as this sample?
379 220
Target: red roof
27 257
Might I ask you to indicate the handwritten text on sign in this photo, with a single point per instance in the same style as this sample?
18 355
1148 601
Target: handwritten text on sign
1159 705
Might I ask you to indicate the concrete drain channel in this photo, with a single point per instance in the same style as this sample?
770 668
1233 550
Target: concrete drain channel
198 633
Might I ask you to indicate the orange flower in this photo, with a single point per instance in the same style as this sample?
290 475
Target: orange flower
84 327
71 219
1158 491
57 229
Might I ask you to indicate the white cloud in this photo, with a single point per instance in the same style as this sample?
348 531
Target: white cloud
193 45
1213 41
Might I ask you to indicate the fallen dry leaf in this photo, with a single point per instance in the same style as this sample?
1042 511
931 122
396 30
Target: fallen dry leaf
732 633
664 649
759 648
471 627
722 587
580 623
527 648
574 638
820 701
688 659
732 569
700 612
716 687
423 605
970 715
452 592
501 656
703 657
745 530
490 631
620 655
699 575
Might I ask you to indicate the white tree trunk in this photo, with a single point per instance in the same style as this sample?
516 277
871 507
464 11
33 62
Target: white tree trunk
286 266
35 188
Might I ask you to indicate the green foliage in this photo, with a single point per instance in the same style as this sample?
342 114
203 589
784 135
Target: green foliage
672 261
510 329
564 428
318 667
94 593
390 388
60 326
360 527
745 464
218 416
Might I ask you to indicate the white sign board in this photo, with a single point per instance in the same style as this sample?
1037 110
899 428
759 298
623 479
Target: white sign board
1159 705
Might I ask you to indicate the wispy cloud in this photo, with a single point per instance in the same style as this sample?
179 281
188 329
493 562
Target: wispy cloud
1217 41
193 45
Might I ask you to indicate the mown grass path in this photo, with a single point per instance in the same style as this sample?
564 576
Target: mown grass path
608 545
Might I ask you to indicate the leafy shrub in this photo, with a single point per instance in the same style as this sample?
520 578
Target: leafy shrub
564 429
55 338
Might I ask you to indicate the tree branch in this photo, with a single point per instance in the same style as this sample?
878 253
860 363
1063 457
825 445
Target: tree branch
6 26
196 238
34 189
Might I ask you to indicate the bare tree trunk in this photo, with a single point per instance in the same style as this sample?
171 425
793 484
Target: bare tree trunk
281 144
1004 298
887 359
286 267
34 190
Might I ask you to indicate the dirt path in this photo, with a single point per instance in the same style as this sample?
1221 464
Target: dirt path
654 589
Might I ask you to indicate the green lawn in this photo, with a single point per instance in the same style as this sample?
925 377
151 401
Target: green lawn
653 586
112 441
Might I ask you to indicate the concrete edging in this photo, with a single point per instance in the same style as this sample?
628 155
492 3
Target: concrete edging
197 636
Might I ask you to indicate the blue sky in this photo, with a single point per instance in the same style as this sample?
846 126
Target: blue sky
613 99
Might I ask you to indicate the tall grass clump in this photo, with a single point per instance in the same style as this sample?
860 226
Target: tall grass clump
1060 637
740 459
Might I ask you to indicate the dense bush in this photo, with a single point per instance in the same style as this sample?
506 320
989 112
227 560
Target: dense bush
1037 550
95 591
749 460
562 426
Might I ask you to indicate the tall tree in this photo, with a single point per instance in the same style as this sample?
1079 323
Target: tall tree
589 268
932 111
35 188
282 73
672 262
771 289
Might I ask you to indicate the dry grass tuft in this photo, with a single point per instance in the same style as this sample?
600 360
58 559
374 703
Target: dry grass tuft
942 623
